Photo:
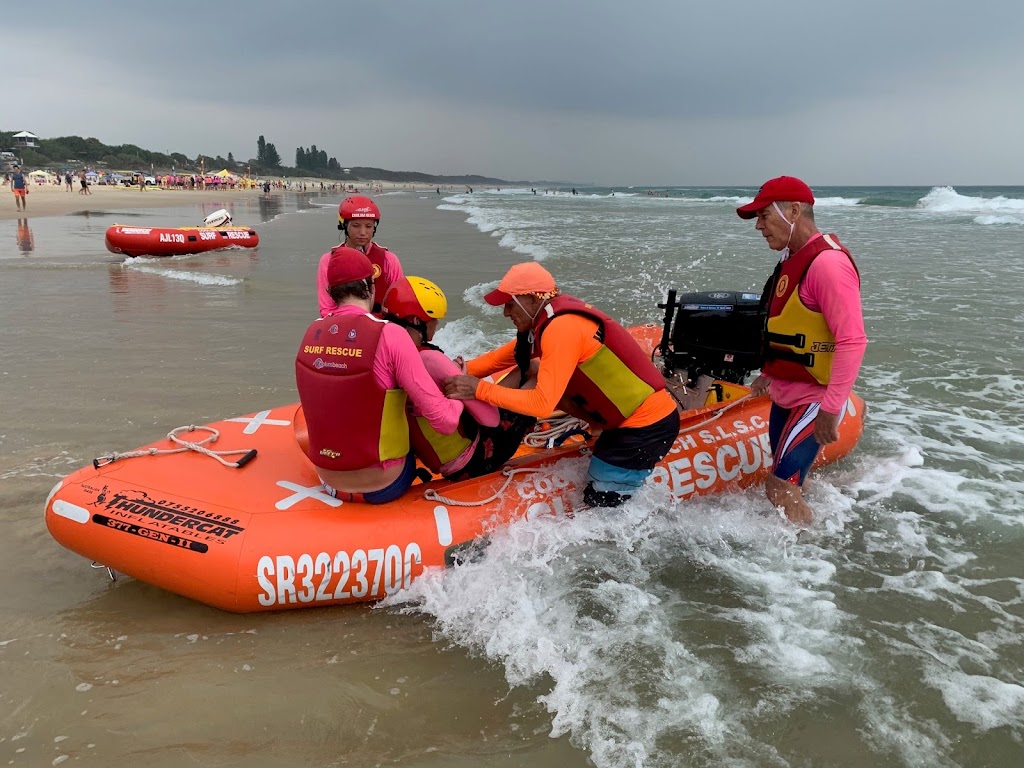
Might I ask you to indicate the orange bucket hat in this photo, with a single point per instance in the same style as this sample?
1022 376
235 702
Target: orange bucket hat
528 277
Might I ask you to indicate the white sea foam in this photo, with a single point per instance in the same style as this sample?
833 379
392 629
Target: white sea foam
513 241
501 223
948 200
819 202
191 277
593 604
990 219
836 202
464 337
983 701
54 466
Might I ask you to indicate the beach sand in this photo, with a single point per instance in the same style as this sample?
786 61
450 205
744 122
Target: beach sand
51 200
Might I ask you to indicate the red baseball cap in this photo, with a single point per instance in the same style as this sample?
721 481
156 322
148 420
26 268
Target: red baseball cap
528 277
347 265
782 188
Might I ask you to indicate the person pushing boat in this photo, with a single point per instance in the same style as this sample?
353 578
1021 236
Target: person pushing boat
814 337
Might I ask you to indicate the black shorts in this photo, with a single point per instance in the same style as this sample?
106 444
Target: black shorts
638 447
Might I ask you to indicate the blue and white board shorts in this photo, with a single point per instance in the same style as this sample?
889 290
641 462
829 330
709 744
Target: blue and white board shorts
791 434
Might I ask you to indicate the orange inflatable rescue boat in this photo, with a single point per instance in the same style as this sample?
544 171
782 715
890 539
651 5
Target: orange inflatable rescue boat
244 525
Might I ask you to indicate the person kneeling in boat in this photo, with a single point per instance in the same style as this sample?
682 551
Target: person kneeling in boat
354 374
591 368
358 218
487 436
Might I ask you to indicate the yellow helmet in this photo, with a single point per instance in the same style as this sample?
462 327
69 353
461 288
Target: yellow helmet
415 297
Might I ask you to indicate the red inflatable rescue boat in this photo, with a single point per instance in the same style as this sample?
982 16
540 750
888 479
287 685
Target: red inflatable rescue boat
165 241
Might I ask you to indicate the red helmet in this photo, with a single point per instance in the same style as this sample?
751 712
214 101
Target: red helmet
415 297
357 207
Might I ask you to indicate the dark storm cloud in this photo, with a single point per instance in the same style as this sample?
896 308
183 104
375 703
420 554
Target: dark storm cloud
666 59
646 92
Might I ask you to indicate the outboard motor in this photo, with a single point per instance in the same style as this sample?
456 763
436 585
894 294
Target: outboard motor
219 218
715 334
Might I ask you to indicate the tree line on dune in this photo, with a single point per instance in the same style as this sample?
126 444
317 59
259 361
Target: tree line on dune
75 151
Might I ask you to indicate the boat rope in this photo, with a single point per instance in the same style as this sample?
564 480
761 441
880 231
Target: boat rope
716 415
110 571
557 432
198 447
509 472
564 428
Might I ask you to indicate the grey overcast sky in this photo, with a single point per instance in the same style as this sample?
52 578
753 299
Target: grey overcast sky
646 92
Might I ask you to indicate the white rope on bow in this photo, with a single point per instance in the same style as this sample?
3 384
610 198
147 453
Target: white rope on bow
509 472
198 447
718 414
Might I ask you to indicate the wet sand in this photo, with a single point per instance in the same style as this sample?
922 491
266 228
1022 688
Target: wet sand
50 200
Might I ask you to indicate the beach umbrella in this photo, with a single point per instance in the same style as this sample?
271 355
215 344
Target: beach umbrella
38 174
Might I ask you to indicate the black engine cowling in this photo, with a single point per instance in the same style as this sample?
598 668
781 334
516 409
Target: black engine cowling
716 333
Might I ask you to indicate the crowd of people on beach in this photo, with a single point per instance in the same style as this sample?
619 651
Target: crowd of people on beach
20 182
378 395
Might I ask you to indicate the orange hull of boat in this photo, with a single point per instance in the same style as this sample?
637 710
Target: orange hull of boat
265 537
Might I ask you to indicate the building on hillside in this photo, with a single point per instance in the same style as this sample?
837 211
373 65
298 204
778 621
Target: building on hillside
26 140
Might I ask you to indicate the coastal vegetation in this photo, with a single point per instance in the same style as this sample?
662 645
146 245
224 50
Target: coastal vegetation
74 152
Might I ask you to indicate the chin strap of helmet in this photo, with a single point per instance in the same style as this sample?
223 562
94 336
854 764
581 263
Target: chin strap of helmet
343 226
410 322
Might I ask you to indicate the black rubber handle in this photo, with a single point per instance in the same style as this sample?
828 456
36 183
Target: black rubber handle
246 459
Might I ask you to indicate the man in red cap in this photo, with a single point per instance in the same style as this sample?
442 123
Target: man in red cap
354 374
814 338
590 367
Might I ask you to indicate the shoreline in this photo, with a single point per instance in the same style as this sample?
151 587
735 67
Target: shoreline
52 200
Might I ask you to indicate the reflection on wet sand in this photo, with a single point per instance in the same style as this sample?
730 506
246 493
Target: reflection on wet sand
134 291
26 243
270 207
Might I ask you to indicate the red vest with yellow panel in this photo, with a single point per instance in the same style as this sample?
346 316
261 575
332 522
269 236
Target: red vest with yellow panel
799 345
606 389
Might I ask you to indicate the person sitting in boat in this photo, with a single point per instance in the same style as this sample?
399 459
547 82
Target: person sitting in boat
591 368
358 218
354 373
487 436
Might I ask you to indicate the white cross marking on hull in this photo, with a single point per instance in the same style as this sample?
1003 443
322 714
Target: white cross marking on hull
302 492
255 422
